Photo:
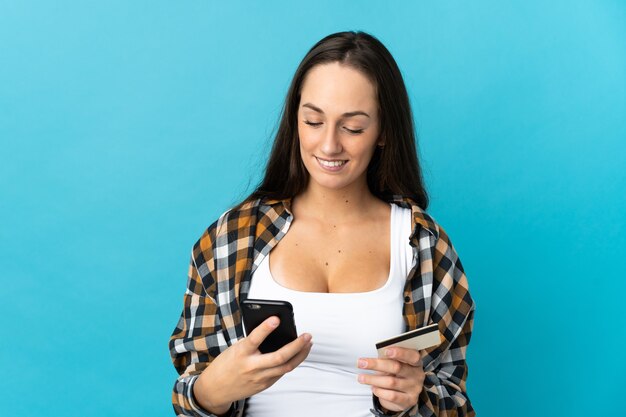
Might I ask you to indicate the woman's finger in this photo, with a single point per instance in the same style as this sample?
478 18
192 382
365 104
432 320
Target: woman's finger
284 354
387 366
389 382
260 333
289 366
409 356
394 400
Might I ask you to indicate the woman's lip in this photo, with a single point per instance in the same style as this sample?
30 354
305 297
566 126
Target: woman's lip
331 168
332 160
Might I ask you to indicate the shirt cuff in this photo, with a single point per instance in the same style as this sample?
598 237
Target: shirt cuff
378 411
197 408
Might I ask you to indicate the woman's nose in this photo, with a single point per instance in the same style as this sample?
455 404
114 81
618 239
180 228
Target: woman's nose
331 144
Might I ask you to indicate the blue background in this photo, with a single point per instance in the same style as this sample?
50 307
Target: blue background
127 127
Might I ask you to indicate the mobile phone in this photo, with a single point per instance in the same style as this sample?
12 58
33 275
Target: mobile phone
257 311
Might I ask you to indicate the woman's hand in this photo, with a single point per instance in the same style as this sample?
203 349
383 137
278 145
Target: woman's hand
399 379
241 370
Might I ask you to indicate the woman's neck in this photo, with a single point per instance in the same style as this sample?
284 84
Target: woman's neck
336 206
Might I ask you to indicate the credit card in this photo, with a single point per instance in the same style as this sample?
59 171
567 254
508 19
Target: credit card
418 339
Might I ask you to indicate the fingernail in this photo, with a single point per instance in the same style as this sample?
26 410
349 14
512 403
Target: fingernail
389 353
361 378
307 337
274 322
362 363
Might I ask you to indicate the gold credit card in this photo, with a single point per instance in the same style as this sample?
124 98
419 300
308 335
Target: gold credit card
418 339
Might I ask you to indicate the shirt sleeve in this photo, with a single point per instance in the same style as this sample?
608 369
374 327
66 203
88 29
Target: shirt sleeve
195 342
444 393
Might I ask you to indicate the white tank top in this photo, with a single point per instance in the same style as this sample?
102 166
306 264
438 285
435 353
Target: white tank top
345 327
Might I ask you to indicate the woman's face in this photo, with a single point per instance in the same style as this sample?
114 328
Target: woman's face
338 125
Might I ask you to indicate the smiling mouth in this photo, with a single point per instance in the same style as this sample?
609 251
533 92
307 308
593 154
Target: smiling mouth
331 164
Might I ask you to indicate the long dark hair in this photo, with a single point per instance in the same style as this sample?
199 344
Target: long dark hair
394 169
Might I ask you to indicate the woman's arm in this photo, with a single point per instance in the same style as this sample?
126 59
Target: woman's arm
444 393
202 356
437 390
196 341
443 390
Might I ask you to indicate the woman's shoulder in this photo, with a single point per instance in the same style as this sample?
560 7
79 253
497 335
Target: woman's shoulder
240 221
439 241
421 218
230 218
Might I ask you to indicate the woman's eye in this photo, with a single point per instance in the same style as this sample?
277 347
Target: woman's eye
353 131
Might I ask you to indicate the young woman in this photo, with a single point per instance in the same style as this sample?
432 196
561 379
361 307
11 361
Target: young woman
338 228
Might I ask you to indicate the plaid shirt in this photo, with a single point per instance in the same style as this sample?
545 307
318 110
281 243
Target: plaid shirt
230 250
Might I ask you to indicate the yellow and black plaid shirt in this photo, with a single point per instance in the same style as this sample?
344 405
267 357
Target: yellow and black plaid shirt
229 251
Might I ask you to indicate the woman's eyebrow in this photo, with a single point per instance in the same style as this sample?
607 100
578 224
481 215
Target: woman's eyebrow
347 114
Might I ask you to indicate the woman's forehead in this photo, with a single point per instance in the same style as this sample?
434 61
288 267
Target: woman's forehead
336 88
